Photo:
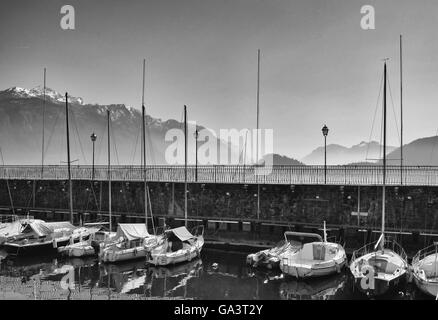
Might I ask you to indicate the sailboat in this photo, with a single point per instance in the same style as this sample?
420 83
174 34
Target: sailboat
381 265
178 244
425 270
132 241
314 259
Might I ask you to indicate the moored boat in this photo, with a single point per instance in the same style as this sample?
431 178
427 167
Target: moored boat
89 247
37 236
270 258
132 241
380 266
178 245
425 270
314 259
13 228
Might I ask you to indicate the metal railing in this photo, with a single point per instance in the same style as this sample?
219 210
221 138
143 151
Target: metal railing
299 175
370 247
430 250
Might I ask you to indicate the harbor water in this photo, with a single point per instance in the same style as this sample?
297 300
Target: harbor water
216 275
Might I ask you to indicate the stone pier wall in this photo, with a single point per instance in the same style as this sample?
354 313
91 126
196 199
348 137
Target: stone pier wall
408 208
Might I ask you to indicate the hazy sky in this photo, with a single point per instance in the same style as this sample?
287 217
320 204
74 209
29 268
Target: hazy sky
318 66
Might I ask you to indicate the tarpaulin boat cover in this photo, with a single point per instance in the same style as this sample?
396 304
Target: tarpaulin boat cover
182 233
38 227
60 226
132 231
10 229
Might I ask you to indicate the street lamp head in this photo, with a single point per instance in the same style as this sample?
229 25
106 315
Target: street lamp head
325 131
93 137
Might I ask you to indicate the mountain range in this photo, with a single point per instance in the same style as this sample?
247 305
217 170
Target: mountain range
420 152
341 155
21 132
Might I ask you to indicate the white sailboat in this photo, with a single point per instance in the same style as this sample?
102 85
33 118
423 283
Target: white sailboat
314 259
132 241
179 245
378 266
425 270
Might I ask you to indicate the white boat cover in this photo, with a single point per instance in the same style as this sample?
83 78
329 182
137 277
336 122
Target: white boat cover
39 228
182 233
10 229
60 226
14 228
132 231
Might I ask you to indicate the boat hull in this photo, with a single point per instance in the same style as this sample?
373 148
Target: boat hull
381 287
80 251
427 287
114 256
34 248
425 270
303 271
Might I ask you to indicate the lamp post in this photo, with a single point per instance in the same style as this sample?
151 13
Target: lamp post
196 146
93 140
325 131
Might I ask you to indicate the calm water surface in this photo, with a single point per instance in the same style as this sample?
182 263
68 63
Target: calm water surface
217 275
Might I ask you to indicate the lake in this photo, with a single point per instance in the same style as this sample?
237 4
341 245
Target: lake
216 275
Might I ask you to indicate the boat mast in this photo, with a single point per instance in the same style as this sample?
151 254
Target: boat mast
70 188
109 172
401 112
143 111
325 232
185 165
44 116
384 155
257 131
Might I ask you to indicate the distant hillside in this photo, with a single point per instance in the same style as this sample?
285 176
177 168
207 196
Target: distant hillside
283 160
420 152
341 155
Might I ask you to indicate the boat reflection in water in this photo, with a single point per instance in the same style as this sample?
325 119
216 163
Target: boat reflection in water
216 275
313 289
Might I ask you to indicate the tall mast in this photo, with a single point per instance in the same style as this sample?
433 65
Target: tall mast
257 132
44 116
185 164
143 111
70 188
401 112
384 155
109 171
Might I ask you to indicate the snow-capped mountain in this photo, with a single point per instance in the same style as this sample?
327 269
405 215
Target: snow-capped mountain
39 92
21 130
